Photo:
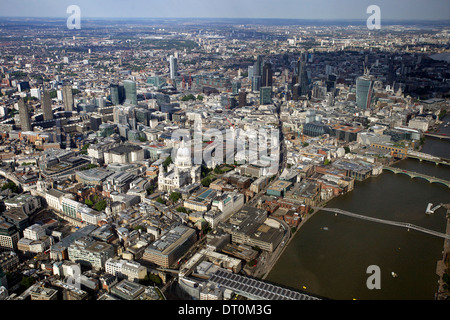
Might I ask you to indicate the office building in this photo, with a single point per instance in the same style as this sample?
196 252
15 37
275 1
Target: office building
256 83
171 246
315 129
173 67
24 116
250 226
345 133
265 95
42 293
9 236
364 91
129 270
242 98
117 94
302 75
68 98
125 153
130 92
90 253
127 290
95 122
258 66
235 86
47 106
267 75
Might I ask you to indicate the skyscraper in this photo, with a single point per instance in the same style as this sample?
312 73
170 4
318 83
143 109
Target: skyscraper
250 72
173 67
242 98
24 116
267 75
258 66
235 85
364 91
302 76
47 106
114 93
117 93
68 98
265 95
256 83
130 92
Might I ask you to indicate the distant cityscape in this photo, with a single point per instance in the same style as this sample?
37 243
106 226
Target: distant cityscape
175 159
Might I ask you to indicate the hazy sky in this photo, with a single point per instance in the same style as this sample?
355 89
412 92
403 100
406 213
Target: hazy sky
295 9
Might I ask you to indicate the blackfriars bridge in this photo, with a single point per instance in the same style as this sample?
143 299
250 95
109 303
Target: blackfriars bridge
413 174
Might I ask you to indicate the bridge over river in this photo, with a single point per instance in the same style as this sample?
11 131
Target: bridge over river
388 222
413 174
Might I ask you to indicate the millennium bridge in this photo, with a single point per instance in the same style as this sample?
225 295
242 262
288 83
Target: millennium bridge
388 222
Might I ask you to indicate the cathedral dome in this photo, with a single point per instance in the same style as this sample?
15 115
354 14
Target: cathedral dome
183 157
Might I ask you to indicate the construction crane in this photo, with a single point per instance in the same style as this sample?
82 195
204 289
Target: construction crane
230 123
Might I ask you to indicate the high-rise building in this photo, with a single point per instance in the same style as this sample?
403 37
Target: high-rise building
256 83
235 86
267 75
302 75
130 92
47 106
24 116
242 98
265 95
68 98
95 122
364 91
173 67
258 66
117 94
250 72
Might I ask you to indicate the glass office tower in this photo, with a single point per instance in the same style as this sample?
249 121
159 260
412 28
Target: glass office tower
130 92
364 91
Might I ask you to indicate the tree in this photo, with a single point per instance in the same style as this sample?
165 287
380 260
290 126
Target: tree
200 98
175 196
10 185
27 282
167 162
188 97
160 200
206 181
100 206
151 189
182 209
88 202
151 279
84 148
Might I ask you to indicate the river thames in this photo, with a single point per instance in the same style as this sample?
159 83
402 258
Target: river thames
329 255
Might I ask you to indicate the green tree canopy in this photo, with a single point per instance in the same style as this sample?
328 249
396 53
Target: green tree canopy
175 196
100 206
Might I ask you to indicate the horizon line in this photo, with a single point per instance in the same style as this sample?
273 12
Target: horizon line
235 18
